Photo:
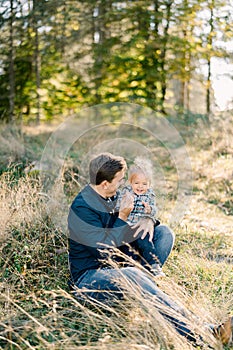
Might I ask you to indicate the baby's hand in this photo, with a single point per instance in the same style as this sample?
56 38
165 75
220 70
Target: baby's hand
126 206
147 207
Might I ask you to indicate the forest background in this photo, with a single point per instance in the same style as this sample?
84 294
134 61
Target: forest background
58 56
61 57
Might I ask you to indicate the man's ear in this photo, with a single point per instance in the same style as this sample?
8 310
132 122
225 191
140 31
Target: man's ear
104 184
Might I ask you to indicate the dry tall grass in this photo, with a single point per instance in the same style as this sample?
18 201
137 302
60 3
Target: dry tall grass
39 312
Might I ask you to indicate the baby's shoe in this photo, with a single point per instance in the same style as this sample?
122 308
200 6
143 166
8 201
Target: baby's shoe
157 270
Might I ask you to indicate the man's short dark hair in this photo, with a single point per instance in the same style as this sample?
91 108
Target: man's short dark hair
104 167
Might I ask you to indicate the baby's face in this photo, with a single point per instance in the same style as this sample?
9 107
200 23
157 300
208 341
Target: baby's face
140 184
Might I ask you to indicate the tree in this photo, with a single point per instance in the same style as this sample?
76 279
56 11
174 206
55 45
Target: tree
215 19
59 55
11 66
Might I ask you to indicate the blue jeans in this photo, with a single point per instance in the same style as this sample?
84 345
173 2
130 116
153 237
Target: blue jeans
102 285
163 242
153 252
159 249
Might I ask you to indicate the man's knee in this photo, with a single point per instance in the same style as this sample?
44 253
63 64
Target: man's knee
165 231
132 273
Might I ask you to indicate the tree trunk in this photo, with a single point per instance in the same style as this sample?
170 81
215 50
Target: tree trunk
188 95
11 68
209 74
37 61
163 56
99 36
37 68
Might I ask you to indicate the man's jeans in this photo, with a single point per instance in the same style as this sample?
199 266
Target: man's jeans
159 249
102 284
163 242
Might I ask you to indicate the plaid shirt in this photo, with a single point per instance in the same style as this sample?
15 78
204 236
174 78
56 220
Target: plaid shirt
139 210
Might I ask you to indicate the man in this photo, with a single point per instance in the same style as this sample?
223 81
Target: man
96 229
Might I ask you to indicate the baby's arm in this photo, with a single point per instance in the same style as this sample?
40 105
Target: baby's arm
150 206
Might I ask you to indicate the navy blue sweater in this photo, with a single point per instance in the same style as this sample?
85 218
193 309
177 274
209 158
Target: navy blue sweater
93 226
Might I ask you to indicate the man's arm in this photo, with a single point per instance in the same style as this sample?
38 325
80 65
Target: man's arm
126 206
86 226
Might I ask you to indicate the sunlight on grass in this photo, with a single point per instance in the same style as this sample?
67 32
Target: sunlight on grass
37 309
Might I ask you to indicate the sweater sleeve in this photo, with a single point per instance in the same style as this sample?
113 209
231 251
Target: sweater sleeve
152 204
91 228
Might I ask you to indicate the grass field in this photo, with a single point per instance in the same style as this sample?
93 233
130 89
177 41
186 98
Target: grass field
37 310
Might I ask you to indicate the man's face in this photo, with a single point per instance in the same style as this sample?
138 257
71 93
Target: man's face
117 181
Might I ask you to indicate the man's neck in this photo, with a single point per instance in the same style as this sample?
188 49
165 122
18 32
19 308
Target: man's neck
100 191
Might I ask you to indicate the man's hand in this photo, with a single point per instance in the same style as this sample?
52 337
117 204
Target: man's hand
147 226
126 206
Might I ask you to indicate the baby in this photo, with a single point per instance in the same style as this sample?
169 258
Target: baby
139 178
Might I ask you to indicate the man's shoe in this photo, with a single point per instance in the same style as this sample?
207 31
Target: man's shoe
224 331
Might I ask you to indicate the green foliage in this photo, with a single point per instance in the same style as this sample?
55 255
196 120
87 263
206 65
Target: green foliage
64 56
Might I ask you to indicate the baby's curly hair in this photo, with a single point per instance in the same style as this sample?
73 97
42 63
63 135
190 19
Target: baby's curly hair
141 166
